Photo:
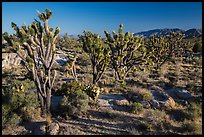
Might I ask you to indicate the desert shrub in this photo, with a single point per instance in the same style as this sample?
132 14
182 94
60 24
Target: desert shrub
5 114
92 91
142 93
121 83
193 112
14 120
136 107
157 120
69 88
192 127
75 100
143 126
15 97
146 96
197 47
110 115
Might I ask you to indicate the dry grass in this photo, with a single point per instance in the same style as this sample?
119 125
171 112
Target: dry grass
142 93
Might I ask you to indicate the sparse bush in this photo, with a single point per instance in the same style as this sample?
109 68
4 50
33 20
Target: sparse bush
146 96
157 120
137 107
173 78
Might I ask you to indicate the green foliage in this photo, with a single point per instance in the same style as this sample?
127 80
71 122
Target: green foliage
147 96
29 59
7 38
11 44
127 51
92 91
121 83
98 52
75 100
197 47
161 49
70 88
14 98
137 107
6 110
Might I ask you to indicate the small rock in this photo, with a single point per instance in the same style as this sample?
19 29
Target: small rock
154 87
160 96
183 94
155 104
145 104
164 100
103 102
54 129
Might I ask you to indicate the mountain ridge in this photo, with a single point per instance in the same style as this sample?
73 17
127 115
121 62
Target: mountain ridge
190 33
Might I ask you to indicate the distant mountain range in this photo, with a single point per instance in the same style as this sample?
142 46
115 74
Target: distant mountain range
191 33
70 36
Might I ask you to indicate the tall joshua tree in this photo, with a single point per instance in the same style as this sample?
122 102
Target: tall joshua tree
126 51
98 53
39 42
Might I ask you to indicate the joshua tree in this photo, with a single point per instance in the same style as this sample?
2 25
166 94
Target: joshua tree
39 42
127 51
98 53
163 48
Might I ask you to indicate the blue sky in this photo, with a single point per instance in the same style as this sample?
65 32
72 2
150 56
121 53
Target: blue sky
75 17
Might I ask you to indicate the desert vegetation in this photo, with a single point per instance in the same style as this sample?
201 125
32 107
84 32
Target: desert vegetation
121 84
